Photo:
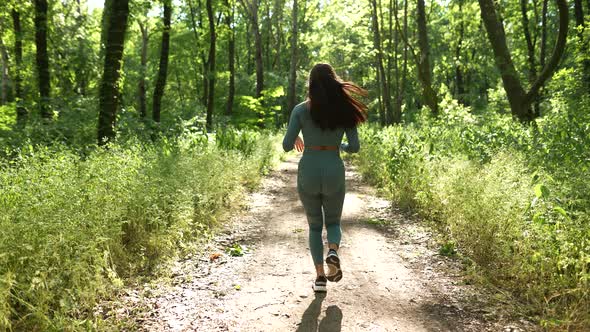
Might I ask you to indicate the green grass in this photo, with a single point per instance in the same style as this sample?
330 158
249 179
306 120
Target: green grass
513 199
74 227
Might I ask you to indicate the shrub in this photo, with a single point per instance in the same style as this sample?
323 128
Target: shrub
513 199
73 227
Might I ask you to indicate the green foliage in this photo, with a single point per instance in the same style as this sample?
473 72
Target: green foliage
235 251
73 228
7 117
447 249
260 112
513 199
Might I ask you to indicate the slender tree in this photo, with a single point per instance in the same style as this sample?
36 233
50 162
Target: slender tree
291 93
142 91
579 16
196 17
400 83
251 8
269 34
42 58
382 116
231 47
4 77
543 50
114 45
459 82
530 43
21 111
211 61
81 70
425 71
195 29
402 86
519 99
279 13
392 51
384 87
583 44
163 67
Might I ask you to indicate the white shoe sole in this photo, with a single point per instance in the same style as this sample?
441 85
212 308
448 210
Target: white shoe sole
320 288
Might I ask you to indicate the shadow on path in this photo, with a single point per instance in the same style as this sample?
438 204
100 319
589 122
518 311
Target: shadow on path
332 322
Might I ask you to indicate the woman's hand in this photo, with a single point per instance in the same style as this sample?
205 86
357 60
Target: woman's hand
299 146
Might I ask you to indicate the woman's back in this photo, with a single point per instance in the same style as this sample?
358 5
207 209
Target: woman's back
313 135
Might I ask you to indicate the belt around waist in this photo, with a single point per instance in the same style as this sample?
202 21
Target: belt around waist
322 147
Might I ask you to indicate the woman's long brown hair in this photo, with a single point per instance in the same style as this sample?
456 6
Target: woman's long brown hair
333 102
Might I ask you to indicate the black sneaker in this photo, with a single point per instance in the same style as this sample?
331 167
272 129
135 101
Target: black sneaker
333 262
319 286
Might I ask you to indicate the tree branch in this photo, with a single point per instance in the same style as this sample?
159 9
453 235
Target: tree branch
558 51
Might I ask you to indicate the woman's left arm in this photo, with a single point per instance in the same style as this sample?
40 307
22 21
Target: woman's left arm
353 145
292 132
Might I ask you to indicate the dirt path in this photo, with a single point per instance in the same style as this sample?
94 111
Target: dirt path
392 280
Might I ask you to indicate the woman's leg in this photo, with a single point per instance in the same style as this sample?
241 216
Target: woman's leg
333 212
312 203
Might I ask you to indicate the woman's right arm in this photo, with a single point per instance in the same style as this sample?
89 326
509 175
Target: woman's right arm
292 131
353 145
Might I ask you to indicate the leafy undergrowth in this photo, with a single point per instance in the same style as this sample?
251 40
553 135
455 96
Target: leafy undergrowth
73 228
513 199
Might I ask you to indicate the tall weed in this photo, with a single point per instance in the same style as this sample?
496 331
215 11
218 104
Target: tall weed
514 199
73 227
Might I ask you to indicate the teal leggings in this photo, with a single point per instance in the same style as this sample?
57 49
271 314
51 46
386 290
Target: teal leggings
320 183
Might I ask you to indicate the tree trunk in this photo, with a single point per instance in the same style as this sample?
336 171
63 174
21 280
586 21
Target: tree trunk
400 93
163 68
81 72
424 61
394 62
248 48
205 67
251 8
104 23
400 83
278 9
385 93
382 116
543 51
231 60
42 58
530 46
180 88
579 15
143 27
4 85
268 36
291 93
203 58
211 61
197 39
258 46
21 111
520 100
391 40
543 34
458 67
108 95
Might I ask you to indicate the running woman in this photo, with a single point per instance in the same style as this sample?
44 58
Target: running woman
331 109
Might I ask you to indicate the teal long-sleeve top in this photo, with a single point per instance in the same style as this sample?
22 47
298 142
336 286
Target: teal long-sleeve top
313 135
